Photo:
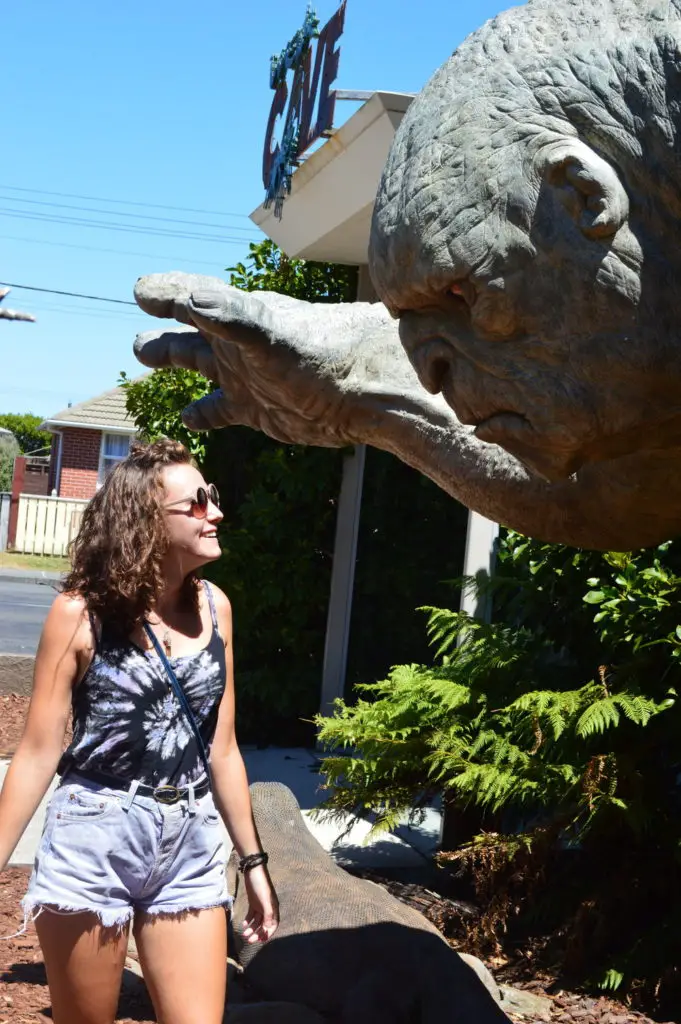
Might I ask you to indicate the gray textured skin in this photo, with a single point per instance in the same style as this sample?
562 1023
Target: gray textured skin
346 949
526 235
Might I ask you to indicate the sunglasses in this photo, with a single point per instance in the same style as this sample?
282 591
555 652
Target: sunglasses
198 507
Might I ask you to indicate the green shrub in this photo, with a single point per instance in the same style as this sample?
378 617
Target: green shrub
9 449
555 730
24 426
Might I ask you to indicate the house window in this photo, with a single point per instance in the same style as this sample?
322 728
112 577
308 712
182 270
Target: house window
115 448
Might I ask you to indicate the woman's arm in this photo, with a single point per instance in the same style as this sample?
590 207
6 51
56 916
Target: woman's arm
65 646
230 788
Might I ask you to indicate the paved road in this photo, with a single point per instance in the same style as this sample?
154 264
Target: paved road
23 608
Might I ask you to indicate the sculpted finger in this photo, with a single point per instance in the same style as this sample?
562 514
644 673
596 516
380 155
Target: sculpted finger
232 315
210 413
167 295
186 348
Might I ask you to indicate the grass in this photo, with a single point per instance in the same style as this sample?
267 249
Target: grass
48 563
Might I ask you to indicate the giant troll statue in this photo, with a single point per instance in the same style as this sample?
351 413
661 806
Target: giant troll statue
526 246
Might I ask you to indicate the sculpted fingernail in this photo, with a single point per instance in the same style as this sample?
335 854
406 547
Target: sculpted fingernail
204 299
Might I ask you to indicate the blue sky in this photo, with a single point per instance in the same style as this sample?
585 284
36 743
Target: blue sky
156 103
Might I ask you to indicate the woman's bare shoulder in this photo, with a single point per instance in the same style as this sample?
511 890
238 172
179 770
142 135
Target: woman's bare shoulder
70 604
223 609
68 612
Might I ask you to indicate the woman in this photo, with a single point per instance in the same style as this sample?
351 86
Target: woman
131 834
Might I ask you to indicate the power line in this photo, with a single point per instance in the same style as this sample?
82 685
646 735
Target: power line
43 314
38 303
123 202
115 252
74 295
115 213
119 317
128 228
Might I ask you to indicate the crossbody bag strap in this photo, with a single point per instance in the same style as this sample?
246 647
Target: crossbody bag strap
182 698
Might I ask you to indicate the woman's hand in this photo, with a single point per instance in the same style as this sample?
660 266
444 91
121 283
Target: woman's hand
262 919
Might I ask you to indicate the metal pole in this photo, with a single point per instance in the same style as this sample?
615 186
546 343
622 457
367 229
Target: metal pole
479 561
342 579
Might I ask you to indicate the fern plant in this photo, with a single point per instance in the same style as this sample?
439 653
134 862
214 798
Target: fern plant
556 725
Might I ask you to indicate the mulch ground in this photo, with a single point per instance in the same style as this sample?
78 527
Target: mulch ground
25 999
13 710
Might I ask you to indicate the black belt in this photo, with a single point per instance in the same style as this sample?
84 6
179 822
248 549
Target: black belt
162 794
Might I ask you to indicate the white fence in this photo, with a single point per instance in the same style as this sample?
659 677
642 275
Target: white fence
46 526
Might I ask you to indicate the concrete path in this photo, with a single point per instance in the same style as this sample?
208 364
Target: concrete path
298 769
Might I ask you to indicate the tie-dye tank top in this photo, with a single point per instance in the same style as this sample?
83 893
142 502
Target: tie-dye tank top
127 722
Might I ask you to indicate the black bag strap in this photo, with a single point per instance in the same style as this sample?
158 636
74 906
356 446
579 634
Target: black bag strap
182 698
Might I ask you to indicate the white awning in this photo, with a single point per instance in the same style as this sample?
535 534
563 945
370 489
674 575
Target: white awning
327 217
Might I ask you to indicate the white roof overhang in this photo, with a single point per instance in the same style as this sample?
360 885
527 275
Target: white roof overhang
327 216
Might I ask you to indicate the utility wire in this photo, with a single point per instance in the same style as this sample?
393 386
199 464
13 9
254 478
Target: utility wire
128 228
38 303
123 316
115 252
123 202
74 295
122 213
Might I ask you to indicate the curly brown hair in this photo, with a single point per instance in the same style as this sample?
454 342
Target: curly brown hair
117 555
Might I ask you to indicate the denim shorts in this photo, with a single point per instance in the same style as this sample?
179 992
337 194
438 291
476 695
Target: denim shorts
114 853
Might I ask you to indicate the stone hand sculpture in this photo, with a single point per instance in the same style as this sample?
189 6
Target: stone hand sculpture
524 245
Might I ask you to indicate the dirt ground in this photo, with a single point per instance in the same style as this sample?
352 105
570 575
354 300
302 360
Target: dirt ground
13 710
24 997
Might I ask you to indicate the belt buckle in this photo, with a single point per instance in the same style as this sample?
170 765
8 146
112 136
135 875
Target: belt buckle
167 794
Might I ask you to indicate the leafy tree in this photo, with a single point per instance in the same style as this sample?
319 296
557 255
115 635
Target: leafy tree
24 426
156 400
555 730
277 542
269 269
9 449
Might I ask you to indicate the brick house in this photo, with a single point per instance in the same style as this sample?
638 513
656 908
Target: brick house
87 440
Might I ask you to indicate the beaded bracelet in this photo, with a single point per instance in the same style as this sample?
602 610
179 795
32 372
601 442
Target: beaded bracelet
253 860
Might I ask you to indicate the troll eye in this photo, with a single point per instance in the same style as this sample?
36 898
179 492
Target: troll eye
462 291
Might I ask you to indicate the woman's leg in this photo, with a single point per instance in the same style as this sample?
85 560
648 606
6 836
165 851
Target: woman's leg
184 961
84 963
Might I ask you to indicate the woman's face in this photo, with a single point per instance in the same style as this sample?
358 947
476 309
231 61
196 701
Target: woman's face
193 541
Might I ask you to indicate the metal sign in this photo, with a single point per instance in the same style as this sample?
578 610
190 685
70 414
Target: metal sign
310 95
